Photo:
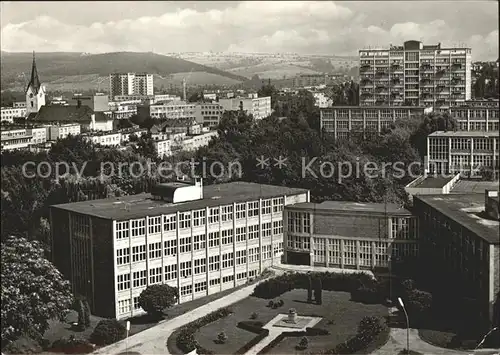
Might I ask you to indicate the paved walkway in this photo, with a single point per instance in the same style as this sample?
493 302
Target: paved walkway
154 339
275 331
397 342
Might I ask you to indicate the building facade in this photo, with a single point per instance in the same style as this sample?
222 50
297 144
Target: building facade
98 102
477 115
200 240
259 108
461 247
56 132
415 74
465 153
312 80
9 113
348 235
107 139
343 121
321 100
130 84
12 139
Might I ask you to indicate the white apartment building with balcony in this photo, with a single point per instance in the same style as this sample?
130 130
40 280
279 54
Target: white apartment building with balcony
415 75
259 108
121 84
202 240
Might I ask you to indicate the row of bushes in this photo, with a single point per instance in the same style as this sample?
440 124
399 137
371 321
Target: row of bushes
72 345
330 282
279 338
186 341
368 330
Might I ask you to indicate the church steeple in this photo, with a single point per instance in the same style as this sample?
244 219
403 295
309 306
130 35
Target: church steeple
34 81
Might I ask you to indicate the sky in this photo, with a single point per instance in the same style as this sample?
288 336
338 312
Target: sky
303 27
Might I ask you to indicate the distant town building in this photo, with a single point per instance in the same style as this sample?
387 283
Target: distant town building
459 244
15 138
202 240
312 80
61 131
10 113
259 108
348 235
147 98
98 102
464 153
415 74
207 114
83 115
130 84
35 91
344 121
322 100
210 96
107 139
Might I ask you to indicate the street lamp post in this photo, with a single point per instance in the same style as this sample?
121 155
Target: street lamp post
126 341
484 338
407 326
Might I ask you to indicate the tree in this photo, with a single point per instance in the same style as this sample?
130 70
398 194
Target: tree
155 298
145 146
33 290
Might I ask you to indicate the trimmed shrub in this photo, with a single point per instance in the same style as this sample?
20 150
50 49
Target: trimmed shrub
254 315
186 342
108 331
270 304
281 303
303 343
222 337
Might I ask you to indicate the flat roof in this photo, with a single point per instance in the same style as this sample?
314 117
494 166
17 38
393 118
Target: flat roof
349 206
474 186
467 210
464 134
381 107
433 182
141 205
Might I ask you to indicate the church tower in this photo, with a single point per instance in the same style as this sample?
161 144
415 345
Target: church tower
35 92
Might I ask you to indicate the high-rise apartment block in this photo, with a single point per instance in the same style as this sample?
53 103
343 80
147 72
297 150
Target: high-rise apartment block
415 74
130 84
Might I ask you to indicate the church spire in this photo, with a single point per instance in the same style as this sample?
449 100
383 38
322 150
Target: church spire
34 81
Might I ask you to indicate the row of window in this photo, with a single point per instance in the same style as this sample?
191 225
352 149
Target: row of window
197 218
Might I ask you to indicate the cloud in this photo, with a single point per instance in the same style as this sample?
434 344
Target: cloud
277 26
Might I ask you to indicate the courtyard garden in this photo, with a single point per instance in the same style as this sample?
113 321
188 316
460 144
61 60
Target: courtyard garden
352 319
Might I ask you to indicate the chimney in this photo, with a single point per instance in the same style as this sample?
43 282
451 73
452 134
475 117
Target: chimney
78 103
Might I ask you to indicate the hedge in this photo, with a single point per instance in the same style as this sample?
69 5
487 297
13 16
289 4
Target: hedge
251 326
72 345
261 335
330 282
186 341
368 330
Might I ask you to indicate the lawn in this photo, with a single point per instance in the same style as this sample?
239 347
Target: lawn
340 317
59 330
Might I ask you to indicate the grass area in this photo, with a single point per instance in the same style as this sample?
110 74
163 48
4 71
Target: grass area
341 319
59 330
447 339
